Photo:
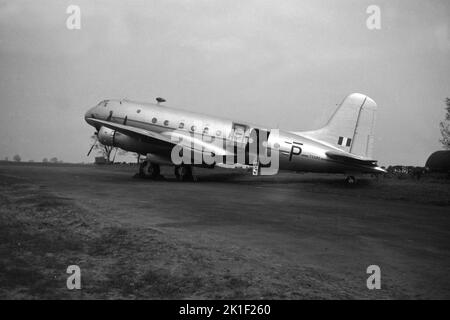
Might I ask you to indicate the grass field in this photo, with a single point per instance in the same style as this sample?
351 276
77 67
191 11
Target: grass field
229 235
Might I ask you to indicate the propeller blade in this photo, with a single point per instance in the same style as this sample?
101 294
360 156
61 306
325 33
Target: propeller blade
115 152
93 145
91 149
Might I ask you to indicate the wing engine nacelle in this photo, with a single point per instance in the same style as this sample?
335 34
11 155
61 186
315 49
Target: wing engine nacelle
114 138
106 136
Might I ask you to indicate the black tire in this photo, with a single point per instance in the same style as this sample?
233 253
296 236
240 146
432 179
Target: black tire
154 170
183 173
142 169
177 174
188 174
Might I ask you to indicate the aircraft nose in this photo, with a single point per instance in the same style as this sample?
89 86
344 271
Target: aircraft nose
89 114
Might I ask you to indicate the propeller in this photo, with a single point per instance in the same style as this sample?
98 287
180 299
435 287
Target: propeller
115 152
93 145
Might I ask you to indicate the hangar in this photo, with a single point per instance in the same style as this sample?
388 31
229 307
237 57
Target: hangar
439 161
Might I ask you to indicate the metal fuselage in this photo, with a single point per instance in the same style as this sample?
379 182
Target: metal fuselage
296 152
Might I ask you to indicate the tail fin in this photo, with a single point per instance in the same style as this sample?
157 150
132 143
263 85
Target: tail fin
351 127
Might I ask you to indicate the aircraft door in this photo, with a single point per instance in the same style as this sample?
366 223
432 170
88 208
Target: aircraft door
256 147
238 133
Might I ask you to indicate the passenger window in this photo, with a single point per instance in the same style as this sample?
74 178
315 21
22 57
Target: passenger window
166 123
193 128
154 120
138 110
218 133
181 125
206 130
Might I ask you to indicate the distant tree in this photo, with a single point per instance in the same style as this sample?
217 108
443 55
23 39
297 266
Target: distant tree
45 160
445 127
54 160
17 158
102 149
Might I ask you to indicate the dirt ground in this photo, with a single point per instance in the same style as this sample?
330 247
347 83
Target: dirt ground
227 236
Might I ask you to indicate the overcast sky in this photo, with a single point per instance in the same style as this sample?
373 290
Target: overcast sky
279 63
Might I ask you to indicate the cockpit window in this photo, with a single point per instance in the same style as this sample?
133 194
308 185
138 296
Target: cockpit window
104 103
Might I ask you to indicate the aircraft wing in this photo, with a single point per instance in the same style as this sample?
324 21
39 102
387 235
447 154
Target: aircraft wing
172 138
132 131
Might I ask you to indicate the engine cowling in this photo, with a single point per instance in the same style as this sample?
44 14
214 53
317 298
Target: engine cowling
106 136
114 138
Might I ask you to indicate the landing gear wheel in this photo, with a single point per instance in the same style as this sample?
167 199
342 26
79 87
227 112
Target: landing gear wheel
149 170
184 173
142 170
153 170
350 180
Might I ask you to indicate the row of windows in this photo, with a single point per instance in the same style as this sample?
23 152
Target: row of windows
181 126
166 122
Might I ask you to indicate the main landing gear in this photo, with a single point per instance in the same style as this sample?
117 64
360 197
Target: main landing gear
149 170
184 173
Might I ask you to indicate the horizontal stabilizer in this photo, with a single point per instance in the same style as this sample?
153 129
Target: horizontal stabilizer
350 159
